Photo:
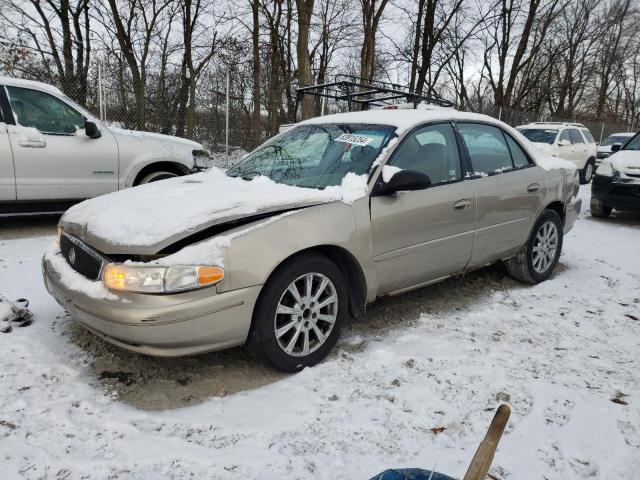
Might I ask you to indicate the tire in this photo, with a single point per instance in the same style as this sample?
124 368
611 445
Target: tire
284 352
157 175
599 209
527 265
586 174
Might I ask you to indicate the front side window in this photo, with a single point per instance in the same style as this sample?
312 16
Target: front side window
576 138
487 148
316 156
36 109
539 135
431 150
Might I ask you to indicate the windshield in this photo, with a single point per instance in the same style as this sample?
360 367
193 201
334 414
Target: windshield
615 139
539 135
316 156
634 143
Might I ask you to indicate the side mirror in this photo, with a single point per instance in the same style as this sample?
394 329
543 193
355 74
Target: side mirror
616 147
564 143
404 180
91 130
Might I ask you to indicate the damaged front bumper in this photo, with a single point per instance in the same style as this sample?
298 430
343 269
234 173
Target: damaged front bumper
621 193
165 325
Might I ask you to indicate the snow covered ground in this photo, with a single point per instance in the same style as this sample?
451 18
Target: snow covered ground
564 354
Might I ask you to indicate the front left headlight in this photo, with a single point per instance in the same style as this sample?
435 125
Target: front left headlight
157 279
605 169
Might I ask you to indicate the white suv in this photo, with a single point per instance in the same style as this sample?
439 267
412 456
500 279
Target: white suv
571 141
53 153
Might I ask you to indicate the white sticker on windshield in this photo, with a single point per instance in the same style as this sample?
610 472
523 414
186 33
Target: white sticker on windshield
361 140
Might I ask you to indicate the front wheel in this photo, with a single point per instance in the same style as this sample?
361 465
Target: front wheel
156 176
599 209
537 259
300 312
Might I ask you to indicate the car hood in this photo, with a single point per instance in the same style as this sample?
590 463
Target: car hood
156 137
144 220
604 148
627 161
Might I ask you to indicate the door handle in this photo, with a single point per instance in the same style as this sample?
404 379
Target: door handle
533 188
461 204
32 141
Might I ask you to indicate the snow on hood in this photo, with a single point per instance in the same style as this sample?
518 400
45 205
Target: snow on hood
147 215
626 161
154 136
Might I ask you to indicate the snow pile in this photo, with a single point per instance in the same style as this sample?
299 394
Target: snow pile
72 279
145 215
388 171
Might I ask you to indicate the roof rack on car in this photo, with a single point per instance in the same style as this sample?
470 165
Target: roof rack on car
366 93
567 124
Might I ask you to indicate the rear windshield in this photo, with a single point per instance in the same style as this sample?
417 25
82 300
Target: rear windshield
539 135
610 140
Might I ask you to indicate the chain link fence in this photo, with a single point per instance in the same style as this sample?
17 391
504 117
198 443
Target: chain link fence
217 111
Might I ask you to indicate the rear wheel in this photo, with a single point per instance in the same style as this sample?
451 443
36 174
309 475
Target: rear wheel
537 259
586 175
599 209
299 315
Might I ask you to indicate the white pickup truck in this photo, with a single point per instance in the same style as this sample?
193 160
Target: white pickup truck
53 153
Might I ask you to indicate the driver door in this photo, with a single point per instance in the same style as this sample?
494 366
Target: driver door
53 158
423 235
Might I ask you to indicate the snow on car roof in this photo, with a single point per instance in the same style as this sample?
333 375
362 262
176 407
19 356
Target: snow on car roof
18 82
401 119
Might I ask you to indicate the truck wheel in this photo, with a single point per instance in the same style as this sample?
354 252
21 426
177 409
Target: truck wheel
599 209
586 174
155 176
299 315
537 259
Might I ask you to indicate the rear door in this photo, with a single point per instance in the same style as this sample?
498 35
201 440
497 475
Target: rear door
568 151
422 235
53 158
7 174
580 147
510 188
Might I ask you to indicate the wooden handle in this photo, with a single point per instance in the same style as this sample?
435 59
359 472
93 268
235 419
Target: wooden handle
481 462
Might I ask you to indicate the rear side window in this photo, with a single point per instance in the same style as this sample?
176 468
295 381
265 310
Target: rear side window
487 148
575 136
520 158
565 136
588 136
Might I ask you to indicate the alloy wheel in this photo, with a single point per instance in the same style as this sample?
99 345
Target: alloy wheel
545 247
305 315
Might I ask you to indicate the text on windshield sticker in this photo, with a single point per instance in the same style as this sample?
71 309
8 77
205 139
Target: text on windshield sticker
361 140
